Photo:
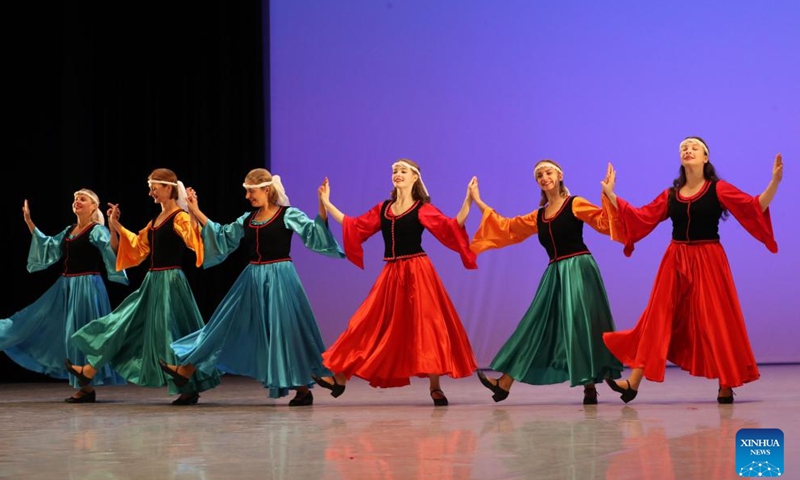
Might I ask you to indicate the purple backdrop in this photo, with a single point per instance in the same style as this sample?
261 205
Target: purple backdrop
488 88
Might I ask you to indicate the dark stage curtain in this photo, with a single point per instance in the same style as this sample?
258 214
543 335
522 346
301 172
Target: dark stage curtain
104 92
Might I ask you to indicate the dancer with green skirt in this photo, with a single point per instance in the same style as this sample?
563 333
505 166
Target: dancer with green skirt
560 337
138 333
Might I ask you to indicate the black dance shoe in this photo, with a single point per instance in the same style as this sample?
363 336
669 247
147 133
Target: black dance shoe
725 400
626 394
335 388
499 393
302 400
192 399
439 402
90 397
83 380
589 395
177 378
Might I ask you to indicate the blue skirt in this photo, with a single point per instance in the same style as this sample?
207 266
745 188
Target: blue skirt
264 328
133 337
38 336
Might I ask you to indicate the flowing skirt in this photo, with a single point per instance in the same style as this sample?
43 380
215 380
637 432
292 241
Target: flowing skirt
264 328
693 319
38 336
560 337
138 333
407 327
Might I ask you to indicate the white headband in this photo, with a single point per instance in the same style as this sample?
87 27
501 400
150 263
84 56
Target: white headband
694 140
401 163
97 216
181 201
552 165
276 183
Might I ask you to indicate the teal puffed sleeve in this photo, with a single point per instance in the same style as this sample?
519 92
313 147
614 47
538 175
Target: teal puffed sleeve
101 239
44 250
219 241
315 233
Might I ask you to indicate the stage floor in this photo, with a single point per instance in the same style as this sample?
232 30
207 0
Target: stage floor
671 430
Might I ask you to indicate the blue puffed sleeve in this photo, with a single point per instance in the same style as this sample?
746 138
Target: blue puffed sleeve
44 250
219 241
315 233
101 239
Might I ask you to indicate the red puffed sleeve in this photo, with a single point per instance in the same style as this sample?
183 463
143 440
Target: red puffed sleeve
746 209
639 222
356 230
448 232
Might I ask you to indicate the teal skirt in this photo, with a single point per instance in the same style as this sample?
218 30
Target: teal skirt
560 338
38 336
138 333
264 328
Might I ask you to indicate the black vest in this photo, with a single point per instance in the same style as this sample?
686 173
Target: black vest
561 235
80 257
268 242
697 218
166 246
402 234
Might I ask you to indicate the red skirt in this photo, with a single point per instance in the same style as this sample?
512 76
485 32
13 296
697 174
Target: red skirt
693 319
407 327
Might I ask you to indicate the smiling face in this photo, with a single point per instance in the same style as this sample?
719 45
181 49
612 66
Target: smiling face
83 204
403 176
548 178
160 192
257 196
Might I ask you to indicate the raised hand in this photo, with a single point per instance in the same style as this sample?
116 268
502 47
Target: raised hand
609 182
113 213
772 188
26 215
472 189
26 212
777 169
324 192
191 197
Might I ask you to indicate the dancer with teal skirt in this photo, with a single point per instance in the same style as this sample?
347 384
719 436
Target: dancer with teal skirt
38 336
560 337
264 328
137 334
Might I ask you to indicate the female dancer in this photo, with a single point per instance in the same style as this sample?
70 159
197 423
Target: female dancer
264 327
693 317
38 336
407 326
137 334
560 337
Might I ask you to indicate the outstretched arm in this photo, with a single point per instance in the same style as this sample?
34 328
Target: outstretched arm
777 175
609 183
464 212
324 192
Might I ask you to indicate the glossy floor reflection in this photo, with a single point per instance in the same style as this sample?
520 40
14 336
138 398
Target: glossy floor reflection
674 430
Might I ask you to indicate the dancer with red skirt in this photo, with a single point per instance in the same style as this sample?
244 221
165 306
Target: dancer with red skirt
407 326
693 317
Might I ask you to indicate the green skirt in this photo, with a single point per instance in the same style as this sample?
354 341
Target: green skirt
560 337
138 333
